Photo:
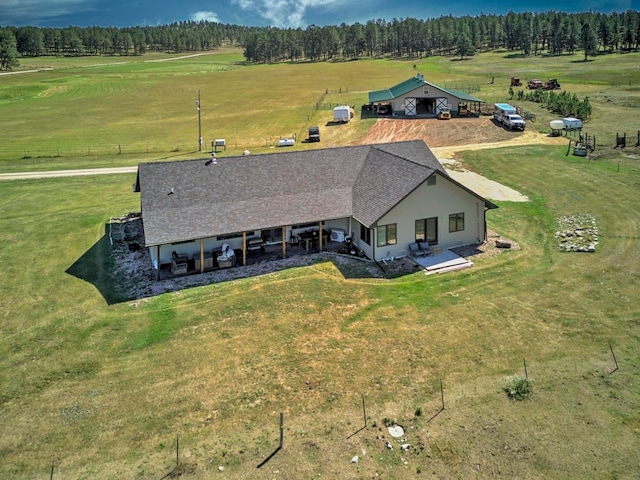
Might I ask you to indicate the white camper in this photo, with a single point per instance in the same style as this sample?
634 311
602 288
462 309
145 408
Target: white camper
342 113
571 123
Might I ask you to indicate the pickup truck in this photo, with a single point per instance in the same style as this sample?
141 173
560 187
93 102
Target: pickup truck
513 122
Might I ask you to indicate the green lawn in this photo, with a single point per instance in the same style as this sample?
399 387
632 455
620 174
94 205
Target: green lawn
102 389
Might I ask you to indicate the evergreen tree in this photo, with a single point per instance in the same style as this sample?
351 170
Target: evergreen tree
464 45
8 50
589 40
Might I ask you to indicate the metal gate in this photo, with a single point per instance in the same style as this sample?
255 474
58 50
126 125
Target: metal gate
410 107
441 103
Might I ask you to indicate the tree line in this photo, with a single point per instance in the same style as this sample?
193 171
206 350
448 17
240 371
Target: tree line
550 33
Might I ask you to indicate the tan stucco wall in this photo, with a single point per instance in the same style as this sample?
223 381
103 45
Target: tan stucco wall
439 200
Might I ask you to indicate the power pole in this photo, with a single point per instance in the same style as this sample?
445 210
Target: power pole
199 123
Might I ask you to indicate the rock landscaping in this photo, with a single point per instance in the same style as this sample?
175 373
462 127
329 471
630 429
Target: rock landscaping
577 233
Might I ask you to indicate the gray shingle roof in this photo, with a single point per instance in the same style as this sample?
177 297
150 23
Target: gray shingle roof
254 192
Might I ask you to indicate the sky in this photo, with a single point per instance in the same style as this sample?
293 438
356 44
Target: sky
277 13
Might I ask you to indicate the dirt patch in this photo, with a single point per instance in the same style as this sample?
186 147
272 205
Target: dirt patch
438 133
446 137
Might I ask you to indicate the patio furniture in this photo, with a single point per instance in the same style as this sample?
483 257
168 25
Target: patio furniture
227 258
178 264
414 250
208 260
310 239
420 249
255 243
424 246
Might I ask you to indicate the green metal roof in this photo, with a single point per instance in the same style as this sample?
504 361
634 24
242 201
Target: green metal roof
411 84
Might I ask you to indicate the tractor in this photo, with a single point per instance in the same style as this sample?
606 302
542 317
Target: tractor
552 84
444 114
535 84
515 82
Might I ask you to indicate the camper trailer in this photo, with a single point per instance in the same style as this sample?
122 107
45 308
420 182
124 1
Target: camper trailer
502 109
571 123
342 113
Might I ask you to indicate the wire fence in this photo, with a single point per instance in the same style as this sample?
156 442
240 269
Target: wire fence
433 401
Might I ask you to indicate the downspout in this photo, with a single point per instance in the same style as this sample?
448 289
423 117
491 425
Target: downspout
158 263
374 243
202 255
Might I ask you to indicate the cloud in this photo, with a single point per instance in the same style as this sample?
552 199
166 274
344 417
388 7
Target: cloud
287 13
40 9
205 16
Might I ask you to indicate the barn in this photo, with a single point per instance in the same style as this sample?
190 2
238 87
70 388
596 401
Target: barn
416 97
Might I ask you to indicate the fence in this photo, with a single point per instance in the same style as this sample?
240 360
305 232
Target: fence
42 150
435 402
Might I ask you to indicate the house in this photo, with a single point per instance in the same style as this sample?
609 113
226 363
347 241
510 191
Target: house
384 196
416 96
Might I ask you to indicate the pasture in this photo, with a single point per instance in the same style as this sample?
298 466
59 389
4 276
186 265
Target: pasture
91 389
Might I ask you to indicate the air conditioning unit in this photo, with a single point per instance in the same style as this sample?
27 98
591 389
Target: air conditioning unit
337 235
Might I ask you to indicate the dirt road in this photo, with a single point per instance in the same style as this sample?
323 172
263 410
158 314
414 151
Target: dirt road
67 173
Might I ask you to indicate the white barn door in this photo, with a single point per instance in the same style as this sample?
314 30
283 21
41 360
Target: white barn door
441 103
410 107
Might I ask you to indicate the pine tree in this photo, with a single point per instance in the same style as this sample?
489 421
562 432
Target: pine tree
589 40
8 50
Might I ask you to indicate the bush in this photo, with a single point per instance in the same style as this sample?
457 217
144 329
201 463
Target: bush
519 388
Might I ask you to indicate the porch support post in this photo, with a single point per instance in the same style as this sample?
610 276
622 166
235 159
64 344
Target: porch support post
202 255
244 248
320 236
284 242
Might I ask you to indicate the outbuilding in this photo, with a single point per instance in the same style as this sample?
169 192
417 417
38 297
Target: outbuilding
417 97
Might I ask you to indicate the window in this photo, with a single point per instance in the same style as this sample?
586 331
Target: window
427 230
365 234
456 222
387 235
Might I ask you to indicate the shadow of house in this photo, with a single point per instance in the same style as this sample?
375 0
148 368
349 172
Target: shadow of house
122 272
96 266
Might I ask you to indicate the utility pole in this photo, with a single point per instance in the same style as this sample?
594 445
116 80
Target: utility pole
199 123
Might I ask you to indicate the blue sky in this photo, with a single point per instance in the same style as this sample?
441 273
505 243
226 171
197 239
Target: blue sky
279 13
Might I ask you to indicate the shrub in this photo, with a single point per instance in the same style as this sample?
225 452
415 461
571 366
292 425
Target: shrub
519 388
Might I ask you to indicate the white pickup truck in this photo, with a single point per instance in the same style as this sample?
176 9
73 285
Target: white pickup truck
513 121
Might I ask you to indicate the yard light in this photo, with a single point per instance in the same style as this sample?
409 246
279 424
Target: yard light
199 123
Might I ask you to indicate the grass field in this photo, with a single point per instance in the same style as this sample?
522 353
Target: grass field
102 390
